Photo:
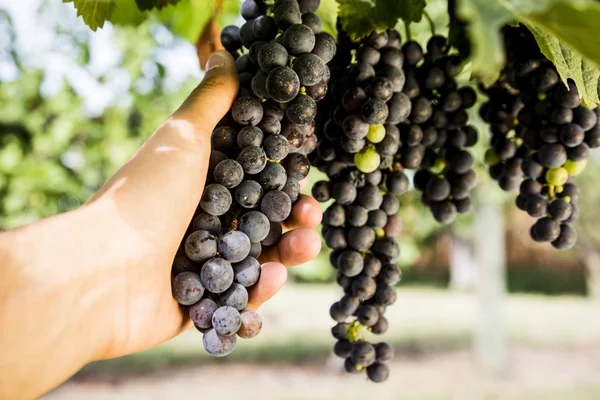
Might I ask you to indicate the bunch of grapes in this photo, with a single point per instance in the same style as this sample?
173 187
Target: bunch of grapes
358 140
256 163
541 137
437 130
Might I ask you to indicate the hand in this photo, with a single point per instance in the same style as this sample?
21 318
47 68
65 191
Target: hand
95 283
158 191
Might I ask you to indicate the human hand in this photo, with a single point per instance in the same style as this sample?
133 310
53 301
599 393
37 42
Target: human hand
155 195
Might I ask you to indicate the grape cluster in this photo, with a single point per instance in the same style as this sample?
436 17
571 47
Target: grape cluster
258 157
541 137
285 66
358 140
438 129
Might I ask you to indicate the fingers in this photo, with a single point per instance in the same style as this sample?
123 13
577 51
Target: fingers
306 212
294 248
272 278
211 100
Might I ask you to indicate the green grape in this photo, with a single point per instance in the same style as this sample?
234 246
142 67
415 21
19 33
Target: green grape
557 176
376 133
575 168
491 158
367 160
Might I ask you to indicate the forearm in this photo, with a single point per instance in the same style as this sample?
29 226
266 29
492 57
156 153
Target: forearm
48 295
62 278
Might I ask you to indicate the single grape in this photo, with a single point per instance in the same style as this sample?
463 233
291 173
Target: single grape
299 39
255 225
350 263
367 315
378 372
383 352
361 238
252 159
297 166
248 194
566 239
249 136
282 84
216 275
310 69
200 245
187 288
234 246
574 168
271 56
547 230
367 160
216 199
223 139
552 155
286 15
201 313
342 347
228 173
363 287
236 296
247 111
325 47
226 320
273 177
363 354
247 271
302 110
218 345
349 305
251 324
276 205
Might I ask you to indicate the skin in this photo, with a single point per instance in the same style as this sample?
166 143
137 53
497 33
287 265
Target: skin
94 283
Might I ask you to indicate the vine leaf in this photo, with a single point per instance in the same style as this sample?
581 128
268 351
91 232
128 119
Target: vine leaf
145 5
94 12
573 23
570 65
361 17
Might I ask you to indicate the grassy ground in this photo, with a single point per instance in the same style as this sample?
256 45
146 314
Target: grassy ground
554 353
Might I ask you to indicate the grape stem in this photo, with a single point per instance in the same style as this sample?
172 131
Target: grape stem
430 21
407 30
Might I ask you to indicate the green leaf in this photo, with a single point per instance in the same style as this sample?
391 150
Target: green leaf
574 22
408 10
188 18
569 65
94 12
355 18
128 13
146 5
361 17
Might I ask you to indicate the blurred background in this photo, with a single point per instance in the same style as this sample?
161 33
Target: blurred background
483 312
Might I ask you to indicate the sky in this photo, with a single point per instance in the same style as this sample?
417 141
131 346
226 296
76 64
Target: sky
42 48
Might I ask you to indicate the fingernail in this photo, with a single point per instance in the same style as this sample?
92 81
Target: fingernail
217 59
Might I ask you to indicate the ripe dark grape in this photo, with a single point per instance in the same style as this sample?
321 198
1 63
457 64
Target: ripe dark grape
310 69
247 271
201 313
299 39
187 288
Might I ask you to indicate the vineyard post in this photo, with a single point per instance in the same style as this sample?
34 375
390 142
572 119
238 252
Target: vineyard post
490 339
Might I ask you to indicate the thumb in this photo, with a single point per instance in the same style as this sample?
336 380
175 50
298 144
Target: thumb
211 100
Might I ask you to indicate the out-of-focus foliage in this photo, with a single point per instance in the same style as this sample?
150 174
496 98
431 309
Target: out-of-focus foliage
53 154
